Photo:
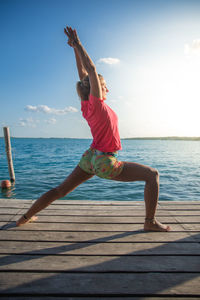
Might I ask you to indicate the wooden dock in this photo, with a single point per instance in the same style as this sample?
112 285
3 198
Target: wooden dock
98 250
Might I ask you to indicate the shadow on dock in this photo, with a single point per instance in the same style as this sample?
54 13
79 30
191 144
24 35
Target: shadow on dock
111 277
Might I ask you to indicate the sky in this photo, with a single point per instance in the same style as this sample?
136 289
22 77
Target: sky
147 50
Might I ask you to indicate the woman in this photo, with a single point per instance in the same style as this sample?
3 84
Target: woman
101 158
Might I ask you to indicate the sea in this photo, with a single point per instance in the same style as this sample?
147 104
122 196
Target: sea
43 163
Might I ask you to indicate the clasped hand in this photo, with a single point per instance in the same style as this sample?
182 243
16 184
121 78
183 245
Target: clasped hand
73 39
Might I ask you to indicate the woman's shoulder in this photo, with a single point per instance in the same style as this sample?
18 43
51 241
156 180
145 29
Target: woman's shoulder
91 99
92 102
94 98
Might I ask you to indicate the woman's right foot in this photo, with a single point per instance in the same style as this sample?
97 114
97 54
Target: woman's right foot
154 225
24 220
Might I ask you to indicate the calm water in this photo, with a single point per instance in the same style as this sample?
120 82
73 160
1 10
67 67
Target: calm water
41 164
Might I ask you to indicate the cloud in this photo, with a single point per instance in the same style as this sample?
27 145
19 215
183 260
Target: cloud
109 60
51 121
48 110
28 122
193 49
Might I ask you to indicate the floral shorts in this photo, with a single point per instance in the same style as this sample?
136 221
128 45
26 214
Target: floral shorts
102 164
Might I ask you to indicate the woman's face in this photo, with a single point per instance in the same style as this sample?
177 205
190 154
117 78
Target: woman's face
104 89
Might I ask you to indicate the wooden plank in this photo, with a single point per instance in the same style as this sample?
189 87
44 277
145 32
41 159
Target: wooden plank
15 203
33 297
193 227
183 213
100 283
75 206
181 207
78 212
107 219
84 227
102 211
96 207
190 202
100 219
11 211
124 207
117 207
120 204
99 263
78 202
188 219
96 248
76 236
99 212
135 213
96 298
105 202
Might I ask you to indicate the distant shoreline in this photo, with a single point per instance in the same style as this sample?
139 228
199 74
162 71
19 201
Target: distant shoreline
168 138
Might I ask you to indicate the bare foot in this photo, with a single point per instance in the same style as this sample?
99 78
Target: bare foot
23 221
154 225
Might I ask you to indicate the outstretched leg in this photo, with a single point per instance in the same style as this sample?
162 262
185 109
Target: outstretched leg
77 177
137 172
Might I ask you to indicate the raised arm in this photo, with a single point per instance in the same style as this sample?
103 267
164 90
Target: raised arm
81 70
85 63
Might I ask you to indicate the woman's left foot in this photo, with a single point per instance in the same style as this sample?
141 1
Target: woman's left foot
154 225
23 220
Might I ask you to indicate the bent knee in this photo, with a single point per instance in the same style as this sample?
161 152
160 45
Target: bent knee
153 174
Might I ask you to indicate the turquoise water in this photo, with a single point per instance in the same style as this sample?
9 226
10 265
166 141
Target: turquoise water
41 164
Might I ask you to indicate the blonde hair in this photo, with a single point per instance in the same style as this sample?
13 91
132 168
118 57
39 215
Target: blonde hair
83 87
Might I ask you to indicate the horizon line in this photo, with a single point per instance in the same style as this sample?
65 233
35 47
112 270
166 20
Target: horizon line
125 138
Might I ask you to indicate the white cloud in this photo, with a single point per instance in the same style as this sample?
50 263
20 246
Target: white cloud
48 110
51 121
28 122
193 49
109 60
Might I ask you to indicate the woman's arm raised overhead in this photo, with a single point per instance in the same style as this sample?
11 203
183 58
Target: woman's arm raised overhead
87 63
81 70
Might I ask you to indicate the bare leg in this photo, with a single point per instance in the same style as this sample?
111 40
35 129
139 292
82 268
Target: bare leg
137 172
77 177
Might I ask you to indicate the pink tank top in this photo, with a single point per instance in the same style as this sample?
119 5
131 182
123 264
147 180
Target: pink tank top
103 124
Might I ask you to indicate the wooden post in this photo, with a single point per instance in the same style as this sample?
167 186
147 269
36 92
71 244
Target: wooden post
9 154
